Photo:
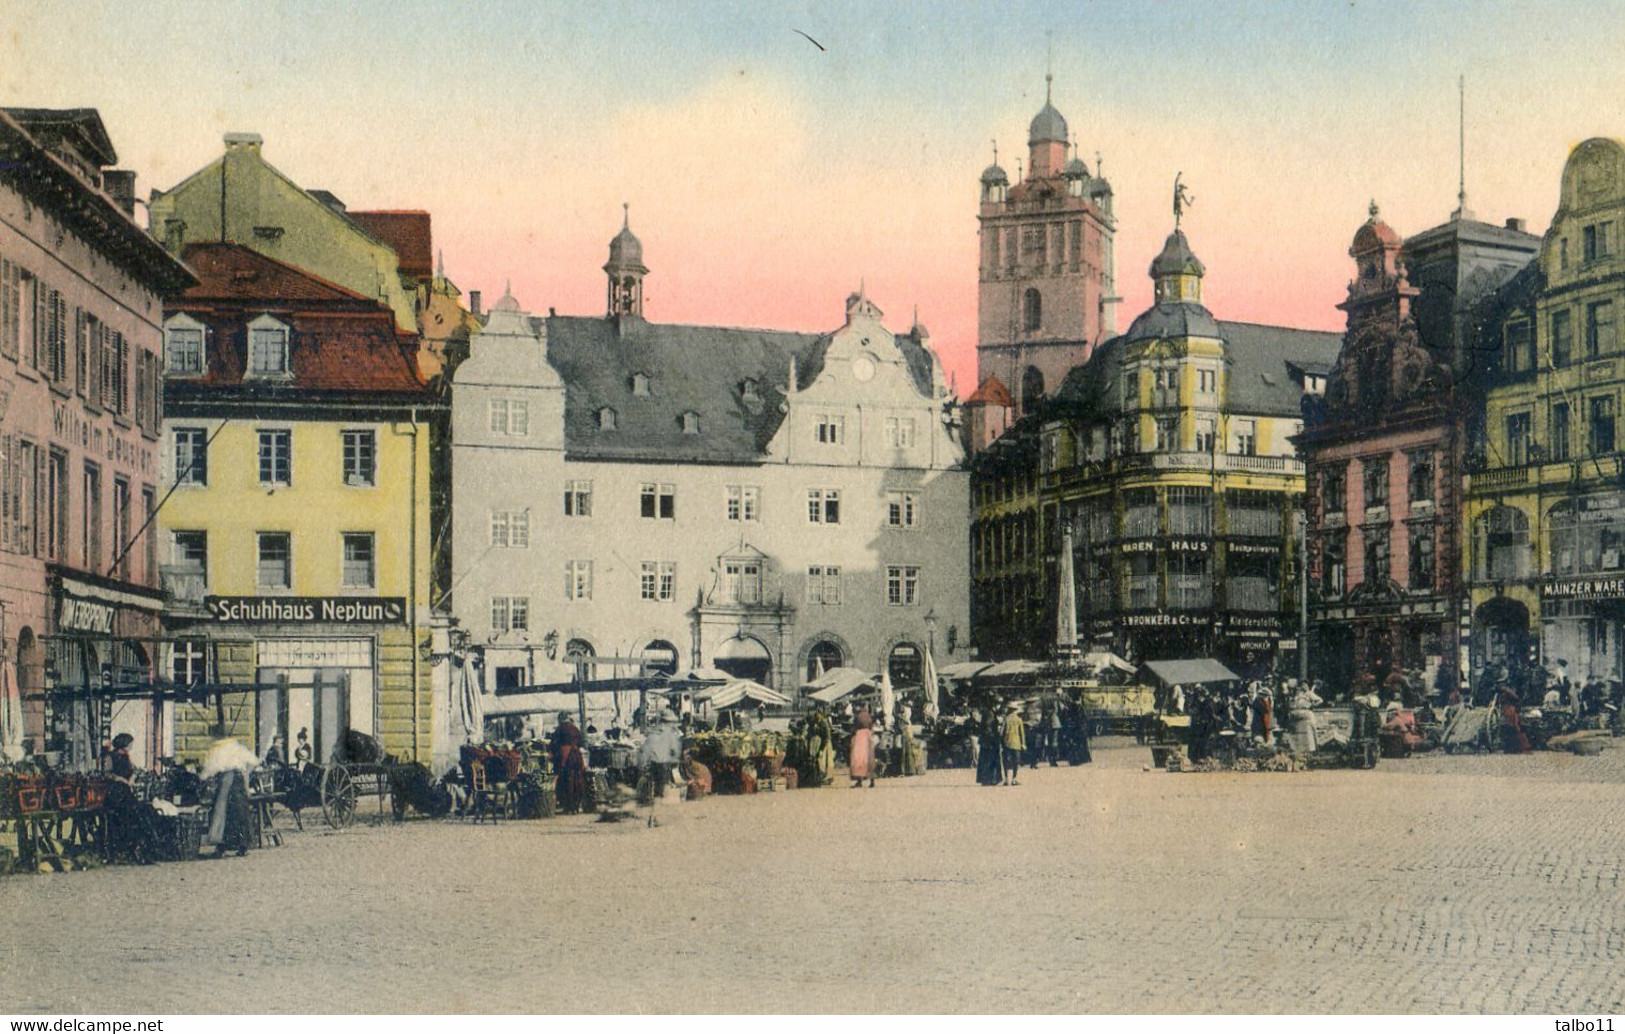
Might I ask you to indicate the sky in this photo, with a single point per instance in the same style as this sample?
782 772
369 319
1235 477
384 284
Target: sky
768 175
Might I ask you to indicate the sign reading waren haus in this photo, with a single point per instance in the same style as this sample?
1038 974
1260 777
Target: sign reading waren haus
325 610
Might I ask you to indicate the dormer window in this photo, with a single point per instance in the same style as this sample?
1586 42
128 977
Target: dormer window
607 420
749 391
640 384
689 422
183 347
268 348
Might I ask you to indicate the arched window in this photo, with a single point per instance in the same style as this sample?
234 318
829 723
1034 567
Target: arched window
578 650
1032 389
1032 310
660 656
824 656
606 419
906 665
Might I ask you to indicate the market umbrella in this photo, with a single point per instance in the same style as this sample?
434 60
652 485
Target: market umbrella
837 683
930 683
11 717
470 708
734 692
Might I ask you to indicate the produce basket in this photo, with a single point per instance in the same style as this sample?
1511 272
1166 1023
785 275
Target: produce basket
180 837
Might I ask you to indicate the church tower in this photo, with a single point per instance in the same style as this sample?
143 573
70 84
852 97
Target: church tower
625 270
1046 286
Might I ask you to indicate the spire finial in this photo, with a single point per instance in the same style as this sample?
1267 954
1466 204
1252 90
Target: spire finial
626 215
995 152
1098 174
1462 212
1373 210
507 287
440 264
1182 200
1049 63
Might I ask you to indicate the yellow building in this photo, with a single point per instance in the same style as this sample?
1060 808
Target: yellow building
298 534
1169 456
1545 508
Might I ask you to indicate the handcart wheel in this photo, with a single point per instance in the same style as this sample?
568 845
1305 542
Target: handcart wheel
338 796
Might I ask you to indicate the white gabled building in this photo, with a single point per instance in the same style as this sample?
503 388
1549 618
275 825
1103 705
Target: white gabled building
763 502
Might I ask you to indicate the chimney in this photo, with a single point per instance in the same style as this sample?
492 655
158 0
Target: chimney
1517 224
243 141
474 303
119 184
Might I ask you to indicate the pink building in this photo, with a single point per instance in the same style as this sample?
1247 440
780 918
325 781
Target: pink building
80 412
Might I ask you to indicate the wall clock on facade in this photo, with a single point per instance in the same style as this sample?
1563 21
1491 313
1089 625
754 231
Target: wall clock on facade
863 368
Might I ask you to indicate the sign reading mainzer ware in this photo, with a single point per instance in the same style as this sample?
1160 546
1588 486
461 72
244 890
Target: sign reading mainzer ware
334 610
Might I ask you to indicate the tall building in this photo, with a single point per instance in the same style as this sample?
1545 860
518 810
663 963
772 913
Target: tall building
297 539
1045 289
1385 450
80 408
765 502
1169 457
1545 512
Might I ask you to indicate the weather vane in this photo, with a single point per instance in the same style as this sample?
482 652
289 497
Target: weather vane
1182 199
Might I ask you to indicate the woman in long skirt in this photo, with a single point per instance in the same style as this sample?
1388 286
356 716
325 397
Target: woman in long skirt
229 818
861 759
989 769
570 765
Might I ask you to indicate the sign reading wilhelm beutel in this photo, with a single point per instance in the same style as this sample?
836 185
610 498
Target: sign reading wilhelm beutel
313 610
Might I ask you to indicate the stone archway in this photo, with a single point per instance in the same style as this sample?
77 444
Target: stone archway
744 657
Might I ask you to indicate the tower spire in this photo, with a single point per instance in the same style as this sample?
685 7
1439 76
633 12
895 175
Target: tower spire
1049 63
1462 211
626 215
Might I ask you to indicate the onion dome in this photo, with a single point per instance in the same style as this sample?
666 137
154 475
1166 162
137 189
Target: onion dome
1374 234
1047 126
995 176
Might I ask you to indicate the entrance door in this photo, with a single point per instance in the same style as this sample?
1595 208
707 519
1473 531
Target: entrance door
745 658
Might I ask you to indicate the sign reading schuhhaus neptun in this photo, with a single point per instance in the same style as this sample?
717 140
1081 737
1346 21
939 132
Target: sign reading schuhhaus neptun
333 610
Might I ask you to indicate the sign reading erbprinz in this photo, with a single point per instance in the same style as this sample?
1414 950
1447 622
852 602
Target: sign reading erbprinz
303 610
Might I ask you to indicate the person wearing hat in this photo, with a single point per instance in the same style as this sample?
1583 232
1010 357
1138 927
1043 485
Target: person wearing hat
130 835
1015 743
571 789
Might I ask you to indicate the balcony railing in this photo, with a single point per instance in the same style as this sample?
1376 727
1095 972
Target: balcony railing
1500 477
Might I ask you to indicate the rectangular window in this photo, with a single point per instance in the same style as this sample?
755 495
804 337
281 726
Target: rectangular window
510 417
657 580
824 584
91 531
187 662
276 457
149 530
510 529
121 528
900 432
823 506
360 458
360 570
1205 434
742 581
56 507
1248 512
578 580
1421 476
1245 437
1140 513
1596 241
510 613
1167 434
1142 581
1207 381
829 429
11 309
1333 488
1599 329
902 586
183 351
1376 556
1519 353
268 351
1560 431
275 560
1334 567
743 502
1601 438
1562 338
578 498
1190 510
1421 573
191 456
120 402
86 329
189 559
1517 439
1376 483
657 502
902 509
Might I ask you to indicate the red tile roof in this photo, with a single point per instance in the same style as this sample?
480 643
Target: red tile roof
991 392
407 232
340 342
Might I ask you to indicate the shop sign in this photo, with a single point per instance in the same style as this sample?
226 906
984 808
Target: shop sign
299 610
1140 546
1189 545
1162 620
76 615
1584 589
1253 626
1267 548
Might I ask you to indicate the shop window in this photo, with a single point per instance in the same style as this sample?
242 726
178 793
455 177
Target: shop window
1501 544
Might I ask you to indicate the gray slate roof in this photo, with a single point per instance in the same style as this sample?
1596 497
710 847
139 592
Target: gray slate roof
1260 380
690 369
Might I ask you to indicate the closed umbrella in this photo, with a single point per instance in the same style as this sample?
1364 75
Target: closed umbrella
888 698
930 684
11 717
469 706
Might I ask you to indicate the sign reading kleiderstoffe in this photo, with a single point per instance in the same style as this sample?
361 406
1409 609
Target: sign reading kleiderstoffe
306 610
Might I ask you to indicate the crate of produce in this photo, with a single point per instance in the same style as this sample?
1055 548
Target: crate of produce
180 837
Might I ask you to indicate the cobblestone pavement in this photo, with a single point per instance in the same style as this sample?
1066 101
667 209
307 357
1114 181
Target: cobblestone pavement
1444 884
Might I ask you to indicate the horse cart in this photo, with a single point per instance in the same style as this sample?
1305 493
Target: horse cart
359 770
